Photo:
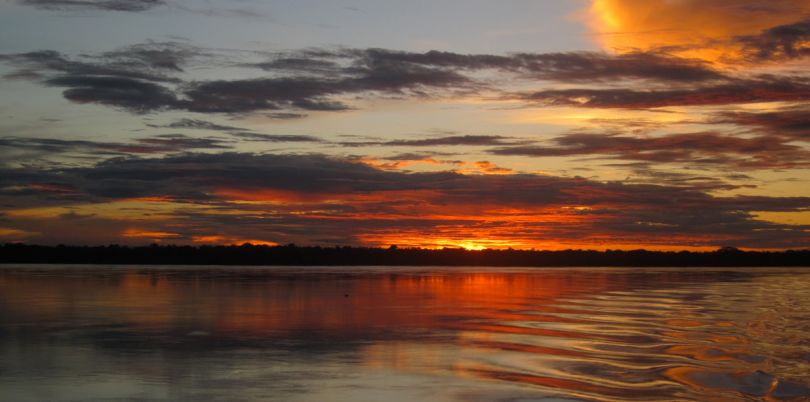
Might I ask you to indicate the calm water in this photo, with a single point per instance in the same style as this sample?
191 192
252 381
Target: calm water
81 333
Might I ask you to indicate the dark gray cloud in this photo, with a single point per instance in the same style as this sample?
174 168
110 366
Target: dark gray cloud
649 172
238 132
319 80
308 93
210 11
26 150
304 173
790 122
320 174
164 143
299 65
762 152
571 66
782 42
164 56
133 78
196 124
144 78
411 156
453 140
286 115
107 5
243 96
766 89
135 65
589 67
477 140
133 95
259 137
654 213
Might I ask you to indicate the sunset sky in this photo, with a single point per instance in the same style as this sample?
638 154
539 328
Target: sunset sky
548 124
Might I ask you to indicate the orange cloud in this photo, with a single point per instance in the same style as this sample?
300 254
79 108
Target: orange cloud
285 198
52 188
14 235
693 28
153 235
484 167
398 164
270 195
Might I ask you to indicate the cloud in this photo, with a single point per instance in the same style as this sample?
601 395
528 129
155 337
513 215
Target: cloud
476 140
298 198
105 5
133 95
167 56
177 143
259 137
403 160
244 96
778 43
298 64
649 172
196 124
286 115
146 77
238 132
706 148
300 173
569 66
133 78
453 140
17 150
225 12
302 84
790 122
137 65
764 89
487 167
587 66
152 76
316 93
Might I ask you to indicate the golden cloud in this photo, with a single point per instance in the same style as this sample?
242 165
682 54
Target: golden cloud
691 28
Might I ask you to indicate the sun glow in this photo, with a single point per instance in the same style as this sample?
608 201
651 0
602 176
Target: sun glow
478 244
454 241
228 240
691 28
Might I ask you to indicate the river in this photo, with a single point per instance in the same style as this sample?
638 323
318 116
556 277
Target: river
389 334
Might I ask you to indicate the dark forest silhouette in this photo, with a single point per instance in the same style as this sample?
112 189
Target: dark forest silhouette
248 254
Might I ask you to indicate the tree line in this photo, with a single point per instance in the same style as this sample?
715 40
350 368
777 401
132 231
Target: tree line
248 254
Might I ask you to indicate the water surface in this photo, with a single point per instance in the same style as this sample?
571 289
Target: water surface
124 333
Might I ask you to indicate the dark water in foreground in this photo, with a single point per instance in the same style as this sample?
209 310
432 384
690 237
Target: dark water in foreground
80 333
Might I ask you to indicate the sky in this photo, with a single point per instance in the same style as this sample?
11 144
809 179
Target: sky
545 124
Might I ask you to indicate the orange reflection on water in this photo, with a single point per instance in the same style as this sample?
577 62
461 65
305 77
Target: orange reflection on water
596 334
250 303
